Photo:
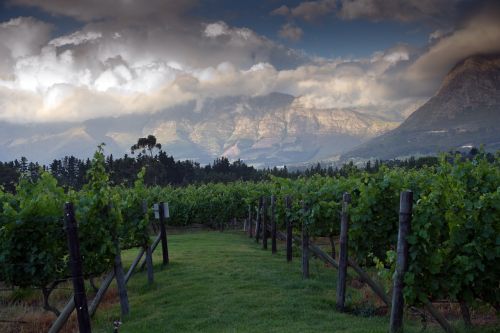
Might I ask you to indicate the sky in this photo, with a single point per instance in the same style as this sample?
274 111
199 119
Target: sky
74 60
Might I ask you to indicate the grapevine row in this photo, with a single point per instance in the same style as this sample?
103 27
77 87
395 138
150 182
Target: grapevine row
454 240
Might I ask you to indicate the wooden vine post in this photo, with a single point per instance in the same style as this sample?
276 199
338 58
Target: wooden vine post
259 219
289 226
342 273
80 299
163 233
148 249
464 309
264 224
305 246
405 209
256 222
273 224
250 224
245 222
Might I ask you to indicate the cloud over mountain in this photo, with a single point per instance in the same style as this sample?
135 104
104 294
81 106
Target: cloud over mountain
479 34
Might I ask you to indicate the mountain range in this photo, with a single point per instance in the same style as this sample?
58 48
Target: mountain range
276 129
264 131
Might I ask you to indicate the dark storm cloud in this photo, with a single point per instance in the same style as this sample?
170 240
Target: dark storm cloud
291 32
374 10
404 11
90 10
308 10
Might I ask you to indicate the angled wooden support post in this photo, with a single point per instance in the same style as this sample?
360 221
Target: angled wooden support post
58 324
153 248
445 325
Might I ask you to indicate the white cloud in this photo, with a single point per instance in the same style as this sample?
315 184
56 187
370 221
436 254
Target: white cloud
76 38
396 57
216 29
334 84
438 34
141 69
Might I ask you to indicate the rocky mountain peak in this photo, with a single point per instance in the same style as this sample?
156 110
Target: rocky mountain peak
470 92
464 112
472 74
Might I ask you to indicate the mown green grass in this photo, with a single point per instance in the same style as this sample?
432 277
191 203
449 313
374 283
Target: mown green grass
225 282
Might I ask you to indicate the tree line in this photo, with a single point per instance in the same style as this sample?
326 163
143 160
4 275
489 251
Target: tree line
163 169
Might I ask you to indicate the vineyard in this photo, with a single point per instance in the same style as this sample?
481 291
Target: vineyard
453 242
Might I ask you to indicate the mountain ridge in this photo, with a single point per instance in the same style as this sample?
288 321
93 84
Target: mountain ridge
266 130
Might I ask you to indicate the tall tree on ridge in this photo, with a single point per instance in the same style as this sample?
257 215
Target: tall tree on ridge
146 144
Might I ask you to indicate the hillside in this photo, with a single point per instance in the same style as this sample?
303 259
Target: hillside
464 112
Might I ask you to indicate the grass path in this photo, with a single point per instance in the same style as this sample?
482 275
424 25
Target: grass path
225 282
